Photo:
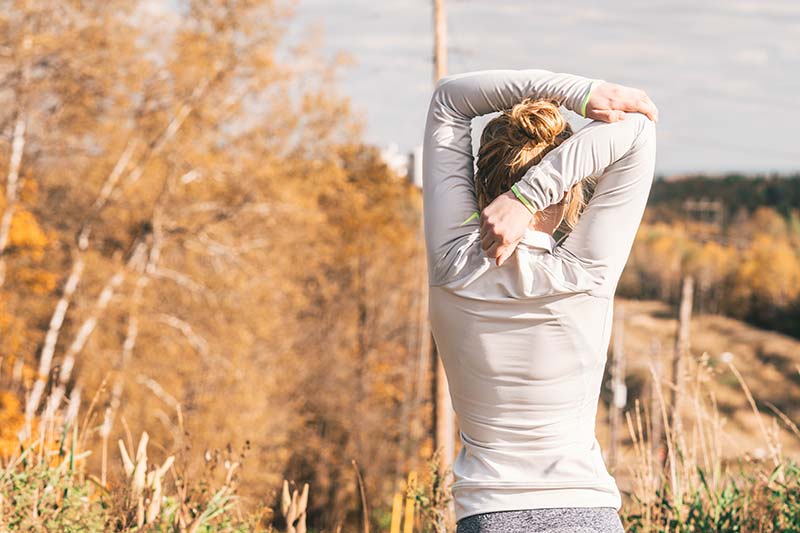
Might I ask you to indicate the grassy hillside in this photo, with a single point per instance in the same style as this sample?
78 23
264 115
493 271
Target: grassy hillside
768 362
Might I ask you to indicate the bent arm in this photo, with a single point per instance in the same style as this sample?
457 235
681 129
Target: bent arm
448 168
622 157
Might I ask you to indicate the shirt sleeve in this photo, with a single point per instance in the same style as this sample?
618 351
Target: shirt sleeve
448 169
621 155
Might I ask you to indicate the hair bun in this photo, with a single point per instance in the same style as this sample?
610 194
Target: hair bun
514 141
540 121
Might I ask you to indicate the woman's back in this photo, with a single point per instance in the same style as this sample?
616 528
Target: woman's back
524 344
524 352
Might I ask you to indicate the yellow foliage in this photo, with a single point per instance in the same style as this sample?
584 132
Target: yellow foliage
712 262
770 269
12 337
769 222
28 191
755 262
38 280
27 233
11 421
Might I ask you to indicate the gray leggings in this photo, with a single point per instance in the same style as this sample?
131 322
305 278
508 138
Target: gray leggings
548 520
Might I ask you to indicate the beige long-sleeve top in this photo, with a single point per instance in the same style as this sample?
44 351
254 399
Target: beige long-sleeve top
524 345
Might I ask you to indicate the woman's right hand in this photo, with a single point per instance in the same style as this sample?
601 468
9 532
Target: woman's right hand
503 223
609 102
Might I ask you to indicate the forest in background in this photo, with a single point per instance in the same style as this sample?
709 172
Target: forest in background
737 192
195 239
194 235
738 236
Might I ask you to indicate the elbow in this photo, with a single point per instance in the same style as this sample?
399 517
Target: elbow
447 85
443 81
440 90
646 126
441 104
649 127
646 145
645 129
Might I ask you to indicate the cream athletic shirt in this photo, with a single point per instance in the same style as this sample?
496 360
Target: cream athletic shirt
524 345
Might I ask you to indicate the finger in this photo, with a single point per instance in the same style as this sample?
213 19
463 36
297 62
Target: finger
492 251
487 240
509 251
506 253
502 253
609 115
655 109
648 108
630 101
640 102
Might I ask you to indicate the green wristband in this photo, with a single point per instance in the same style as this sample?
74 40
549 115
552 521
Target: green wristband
522 199
586 99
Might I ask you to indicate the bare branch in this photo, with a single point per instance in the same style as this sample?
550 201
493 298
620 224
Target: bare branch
12 186
88 326
105 193
158 390
56 321
197 342
181 279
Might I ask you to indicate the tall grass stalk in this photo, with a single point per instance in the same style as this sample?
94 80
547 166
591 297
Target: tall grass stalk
45 486
695 485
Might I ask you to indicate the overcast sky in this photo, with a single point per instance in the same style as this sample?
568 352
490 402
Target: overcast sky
724 74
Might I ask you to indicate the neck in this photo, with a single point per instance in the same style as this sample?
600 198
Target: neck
548 220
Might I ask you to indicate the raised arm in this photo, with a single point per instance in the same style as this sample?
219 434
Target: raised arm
448 168
621 155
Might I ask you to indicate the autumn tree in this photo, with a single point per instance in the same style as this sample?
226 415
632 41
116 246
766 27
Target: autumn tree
191 218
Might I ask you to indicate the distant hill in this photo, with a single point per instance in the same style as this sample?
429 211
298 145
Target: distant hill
735 191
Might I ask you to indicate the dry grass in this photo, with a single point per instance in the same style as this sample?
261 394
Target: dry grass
732 465
730 468
45 486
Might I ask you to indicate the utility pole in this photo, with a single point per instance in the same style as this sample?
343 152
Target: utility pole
444 417
681 353
439 41
656 422
619 392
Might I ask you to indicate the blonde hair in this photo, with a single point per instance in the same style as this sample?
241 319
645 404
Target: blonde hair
516 140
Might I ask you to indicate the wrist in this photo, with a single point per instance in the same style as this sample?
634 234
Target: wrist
588 95
521 198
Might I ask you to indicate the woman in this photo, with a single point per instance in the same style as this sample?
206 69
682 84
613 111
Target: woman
522 323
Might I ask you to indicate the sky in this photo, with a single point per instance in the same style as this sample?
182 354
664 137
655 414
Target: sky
724 74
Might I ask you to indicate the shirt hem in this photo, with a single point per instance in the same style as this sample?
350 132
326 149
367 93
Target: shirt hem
472 502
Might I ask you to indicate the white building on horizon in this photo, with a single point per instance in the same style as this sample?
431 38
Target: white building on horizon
395 159
406 165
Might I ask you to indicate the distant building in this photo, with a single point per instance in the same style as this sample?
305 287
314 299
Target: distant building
396 160
406 165
414 163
